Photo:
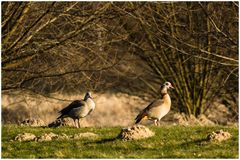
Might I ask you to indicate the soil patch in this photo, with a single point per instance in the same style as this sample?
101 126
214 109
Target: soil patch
135 132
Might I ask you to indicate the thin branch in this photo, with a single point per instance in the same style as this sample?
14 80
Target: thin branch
215 25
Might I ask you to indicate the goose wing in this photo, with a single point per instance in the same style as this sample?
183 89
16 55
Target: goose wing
148 109
154 104
74 104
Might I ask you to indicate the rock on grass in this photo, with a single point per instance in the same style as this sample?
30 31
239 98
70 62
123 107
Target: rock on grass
135 132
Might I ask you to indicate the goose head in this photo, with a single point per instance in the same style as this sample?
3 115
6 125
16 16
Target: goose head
88 95
165 87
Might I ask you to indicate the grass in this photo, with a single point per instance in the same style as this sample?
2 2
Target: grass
168 142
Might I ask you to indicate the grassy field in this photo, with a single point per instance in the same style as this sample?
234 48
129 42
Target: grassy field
168 142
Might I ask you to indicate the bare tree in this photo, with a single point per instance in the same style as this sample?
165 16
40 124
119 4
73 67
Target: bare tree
191 44
54 46
130 47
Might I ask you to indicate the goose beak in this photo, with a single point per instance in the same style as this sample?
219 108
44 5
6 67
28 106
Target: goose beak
90 96
171 87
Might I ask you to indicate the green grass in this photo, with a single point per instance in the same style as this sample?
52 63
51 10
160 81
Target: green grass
168 142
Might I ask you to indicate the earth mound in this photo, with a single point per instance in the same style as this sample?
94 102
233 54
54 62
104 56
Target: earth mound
183 119
218 136
47 137
135 132
25 137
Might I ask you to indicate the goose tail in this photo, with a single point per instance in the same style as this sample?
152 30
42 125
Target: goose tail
140 116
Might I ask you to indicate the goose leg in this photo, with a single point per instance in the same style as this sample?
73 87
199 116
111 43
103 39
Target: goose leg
155 122
78 123
75 124
158 122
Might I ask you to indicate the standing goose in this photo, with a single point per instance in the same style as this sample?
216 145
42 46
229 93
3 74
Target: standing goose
78 109
158 108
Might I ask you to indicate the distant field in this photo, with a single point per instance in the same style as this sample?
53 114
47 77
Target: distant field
109 107
168 142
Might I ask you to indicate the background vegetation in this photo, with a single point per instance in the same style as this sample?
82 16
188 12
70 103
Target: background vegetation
129 47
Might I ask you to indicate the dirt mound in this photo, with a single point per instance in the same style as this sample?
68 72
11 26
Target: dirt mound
52 136
135 132
60 122
25 137
218 136
217 110
32 122
204 120
183 119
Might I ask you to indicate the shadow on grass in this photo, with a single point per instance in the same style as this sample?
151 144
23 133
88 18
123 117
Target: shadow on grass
200 142
102 141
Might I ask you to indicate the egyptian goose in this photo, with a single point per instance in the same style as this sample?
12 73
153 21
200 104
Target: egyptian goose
78 109
158 108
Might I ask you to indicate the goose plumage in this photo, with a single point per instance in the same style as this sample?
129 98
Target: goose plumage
78 109
157 109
